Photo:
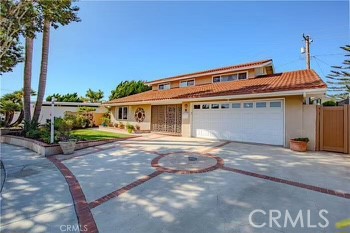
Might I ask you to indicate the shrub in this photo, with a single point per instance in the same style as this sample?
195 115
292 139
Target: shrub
130 128
301 139
64 130
329 103
31 130
105 121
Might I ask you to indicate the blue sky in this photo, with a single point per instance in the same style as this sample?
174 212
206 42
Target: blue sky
118 41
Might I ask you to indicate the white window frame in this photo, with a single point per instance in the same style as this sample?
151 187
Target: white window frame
187 80
164 84
117 113
220 75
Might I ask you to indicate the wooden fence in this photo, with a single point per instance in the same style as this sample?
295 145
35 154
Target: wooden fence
333 129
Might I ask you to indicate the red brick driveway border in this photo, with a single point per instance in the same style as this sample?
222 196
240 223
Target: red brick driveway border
122 190
289 182
83 208
158 167
85 218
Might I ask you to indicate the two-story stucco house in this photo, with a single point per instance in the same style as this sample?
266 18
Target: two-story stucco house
244 103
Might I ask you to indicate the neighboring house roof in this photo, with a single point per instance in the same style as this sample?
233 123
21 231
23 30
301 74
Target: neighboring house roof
343 102
215 71
288 81
70 104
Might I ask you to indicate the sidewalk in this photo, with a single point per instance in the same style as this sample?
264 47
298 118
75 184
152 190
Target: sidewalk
35 196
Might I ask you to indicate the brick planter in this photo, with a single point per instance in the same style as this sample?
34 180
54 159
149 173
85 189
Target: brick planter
49 149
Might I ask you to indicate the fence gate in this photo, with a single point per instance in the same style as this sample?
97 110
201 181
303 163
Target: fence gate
333 128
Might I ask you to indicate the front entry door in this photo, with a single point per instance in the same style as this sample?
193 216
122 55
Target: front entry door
167 118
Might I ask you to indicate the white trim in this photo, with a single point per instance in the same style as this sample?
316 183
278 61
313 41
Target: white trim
127 112
247 73
186 80
168 83
319 91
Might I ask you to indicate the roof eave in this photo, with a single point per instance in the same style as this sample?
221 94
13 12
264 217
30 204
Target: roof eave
303 92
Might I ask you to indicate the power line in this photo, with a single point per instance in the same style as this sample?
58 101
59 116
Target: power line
319 67
321 60
330 54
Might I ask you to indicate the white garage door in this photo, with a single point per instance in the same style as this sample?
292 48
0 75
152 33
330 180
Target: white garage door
251 121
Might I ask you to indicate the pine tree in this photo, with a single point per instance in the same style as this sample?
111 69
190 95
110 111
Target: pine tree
339 78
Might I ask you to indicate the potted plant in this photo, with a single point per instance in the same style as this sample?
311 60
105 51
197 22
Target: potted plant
299 144
121 125
130 128
67 143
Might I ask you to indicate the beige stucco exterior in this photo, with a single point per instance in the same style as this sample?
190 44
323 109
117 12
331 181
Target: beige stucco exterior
207 79
144 126
300 119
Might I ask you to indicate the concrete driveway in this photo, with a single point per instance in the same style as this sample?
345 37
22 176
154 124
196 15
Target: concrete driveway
160 183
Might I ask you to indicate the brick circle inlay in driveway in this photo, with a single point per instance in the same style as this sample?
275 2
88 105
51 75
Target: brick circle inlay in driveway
187 163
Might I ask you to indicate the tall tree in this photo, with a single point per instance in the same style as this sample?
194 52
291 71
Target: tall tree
14 18
54 12
69 97
27 79
127 88
339 78
94 96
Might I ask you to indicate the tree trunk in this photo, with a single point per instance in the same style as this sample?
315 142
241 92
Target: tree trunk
27 80
19 119
8 118
43 71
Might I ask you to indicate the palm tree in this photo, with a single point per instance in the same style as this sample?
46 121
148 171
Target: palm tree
43 70
27 80
53 12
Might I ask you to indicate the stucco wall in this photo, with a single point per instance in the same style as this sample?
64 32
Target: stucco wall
186 120
293 117
145 125
309 125
300 120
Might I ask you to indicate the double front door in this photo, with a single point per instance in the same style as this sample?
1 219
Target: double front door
166 118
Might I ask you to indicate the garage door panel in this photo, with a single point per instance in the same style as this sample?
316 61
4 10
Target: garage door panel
257 125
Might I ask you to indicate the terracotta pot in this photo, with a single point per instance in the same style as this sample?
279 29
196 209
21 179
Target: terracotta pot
68 147
300 146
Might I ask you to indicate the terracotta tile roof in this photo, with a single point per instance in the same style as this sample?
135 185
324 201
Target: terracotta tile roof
296 80
218 70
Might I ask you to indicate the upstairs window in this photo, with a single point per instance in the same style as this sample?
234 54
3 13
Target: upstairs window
187 83
164 86
123 113
230 77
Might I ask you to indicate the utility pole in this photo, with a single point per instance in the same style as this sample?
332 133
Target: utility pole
308 41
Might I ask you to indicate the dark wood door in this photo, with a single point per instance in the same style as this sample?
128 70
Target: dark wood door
166 118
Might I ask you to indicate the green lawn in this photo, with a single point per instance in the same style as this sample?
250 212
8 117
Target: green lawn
89 134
